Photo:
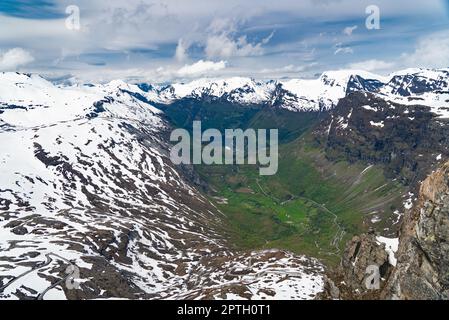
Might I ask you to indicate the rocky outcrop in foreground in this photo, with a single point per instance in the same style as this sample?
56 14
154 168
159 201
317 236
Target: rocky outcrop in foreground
422 271
422 267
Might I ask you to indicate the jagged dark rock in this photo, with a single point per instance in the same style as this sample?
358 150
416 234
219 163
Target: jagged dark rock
405 140
361 253
422 271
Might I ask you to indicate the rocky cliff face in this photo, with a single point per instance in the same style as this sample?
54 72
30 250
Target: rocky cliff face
365 267
362 253
422 271
422 267
408 140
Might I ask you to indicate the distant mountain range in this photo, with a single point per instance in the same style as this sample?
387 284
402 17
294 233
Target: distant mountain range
411 86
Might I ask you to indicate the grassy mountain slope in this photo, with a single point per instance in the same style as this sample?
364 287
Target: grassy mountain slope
311 206
221 114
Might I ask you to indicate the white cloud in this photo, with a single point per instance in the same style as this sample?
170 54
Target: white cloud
223 43
287 69
14 58
349 30
343 49
223 25
148 31
224 46
181 51
200 68
161 74
372 65
430 52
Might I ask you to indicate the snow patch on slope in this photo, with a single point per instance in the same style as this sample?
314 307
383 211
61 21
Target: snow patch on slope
391 246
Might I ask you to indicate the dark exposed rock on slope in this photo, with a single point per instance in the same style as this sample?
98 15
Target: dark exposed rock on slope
362 252
364 261
422 271
422 268
408 141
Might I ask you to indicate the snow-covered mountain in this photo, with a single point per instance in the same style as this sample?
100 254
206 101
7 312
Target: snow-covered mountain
419 87
325 92
86 182
411 86
237 89
296 94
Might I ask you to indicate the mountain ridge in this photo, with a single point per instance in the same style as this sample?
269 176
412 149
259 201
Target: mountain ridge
425 86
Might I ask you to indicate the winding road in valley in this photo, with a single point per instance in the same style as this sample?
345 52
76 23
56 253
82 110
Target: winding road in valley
41 265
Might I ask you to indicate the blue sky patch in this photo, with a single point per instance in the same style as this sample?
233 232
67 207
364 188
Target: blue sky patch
30 9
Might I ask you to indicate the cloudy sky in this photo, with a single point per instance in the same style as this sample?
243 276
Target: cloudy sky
167 40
